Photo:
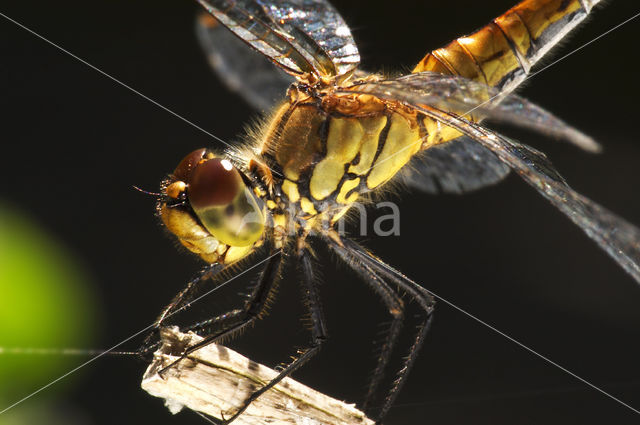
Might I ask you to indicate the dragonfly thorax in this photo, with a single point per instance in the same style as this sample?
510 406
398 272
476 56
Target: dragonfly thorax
330 149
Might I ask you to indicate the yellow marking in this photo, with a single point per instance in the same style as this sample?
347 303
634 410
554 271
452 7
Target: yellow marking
210 258
325 179
372 128
188 231
336 217
402 143
343 141
197 240
432 63
538 15
291 190
271 205
175 189
347 186
260 193
343 138
311 221
456 57
492 52
437 133
279 220
307 206
517 32
237 252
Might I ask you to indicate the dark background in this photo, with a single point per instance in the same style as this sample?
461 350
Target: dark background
74 143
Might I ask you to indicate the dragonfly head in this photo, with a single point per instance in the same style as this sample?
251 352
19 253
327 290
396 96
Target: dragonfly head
209 207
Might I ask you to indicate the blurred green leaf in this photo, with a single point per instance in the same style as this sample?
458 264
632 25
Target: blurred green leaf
45 302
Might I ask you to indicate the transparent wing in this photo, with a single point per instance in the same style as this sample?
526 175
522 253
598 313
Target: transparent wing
459 166
243 70
470 98
301 36
619 238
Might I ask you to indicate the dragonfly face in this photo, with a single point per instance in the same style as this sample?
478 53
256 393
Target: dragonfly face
210 208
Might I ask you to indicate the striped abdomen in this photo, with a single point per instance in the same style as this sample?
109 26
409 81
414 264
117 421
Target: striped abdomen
502 53
332 151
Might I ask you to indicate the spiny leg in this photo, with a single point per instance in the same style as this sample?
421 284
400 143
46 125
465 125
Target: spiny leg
424 299
318 333
395 306
184 299
180 301
207 324
235 320
359 258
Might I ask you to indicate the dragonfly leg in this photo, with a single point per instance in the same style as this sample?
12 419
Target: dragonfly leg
365 263
206 326
235 320
318 333
180 301
395 306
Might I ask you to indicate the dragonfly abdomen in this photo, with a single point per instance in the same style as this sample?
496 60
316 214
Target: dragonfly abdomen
502 53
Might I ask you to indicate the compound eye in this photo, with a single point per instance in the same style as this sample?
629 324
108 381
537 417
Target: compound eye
225 206
182 174
214 183
188 164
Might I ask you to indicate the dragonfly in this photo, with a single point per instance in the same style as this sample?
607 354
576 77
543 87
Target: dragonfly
340 136
99 182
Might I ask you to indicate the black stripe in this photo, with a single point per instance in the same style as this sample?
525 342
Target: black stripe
532 41
473 59
305 178
514 49
382 139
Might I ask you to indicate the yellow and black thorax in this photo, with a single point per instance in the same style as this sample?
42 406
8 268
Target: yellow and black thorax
329 150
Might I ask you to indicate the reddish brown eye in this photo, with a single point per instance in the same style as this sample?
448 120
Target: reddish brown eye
214 183
225 206
185 168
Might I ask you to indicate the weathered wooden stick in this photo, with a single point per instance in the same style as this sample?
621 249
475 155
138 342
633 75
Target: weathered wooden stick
216 381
